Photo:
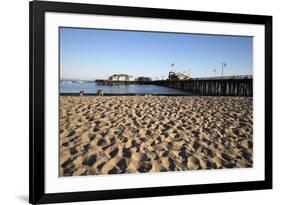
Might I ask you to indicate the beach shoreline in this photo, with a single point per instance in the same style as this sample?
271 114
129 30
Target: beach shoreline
135 134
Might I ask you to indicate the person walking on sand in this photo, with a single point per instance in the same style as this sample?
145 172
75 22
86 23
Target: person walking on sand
81 93
99 92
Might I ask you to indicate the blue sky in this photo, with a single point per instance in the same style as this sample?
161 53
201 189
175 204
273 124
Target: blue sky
89 54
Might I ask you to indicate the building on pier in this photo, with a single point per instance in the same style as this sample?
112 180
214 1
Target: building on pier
178 76
144 79
121 77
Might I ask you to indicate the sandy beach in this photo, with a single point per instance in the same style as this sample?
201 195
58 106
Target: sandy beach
129 134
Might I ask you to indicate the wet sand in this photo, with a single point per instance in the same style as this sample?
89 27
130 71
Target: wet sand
129 134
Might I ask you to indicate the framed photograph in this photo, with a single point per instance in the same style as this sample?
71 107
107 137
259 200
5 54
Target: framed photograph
141 102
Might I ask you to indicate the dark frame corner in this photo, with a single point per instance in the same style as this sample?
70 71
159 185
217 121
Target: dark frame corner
37 10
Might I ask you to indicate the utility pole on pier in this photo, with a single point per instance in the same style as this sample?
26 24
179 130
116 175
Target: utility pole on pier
214 70
222 66
172 66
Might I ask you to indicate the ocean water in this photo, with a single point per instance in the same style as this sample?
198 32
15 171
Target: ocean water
92 87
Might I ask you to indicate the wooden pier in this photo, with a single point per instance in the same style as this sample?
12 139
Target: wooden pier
219 86
241 85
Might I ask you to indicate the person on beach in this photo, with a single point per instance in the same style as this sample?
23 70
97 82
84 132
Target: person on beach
81 93
99 92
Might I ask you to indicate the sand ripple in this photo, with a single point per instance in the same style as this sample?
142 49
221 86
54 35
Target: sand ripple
128 134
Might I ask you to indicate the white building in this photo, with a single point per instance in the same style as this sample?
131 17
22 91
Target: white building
178 76
121 77
131 78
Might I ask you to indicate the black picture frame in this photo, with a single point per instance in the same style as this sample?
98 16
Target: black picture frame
37 192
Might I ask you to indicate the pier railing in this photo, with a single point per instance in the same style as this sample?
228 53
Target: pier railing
225 77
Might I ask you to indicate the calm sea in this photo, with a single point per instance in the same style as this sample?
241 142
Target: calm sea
92 87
